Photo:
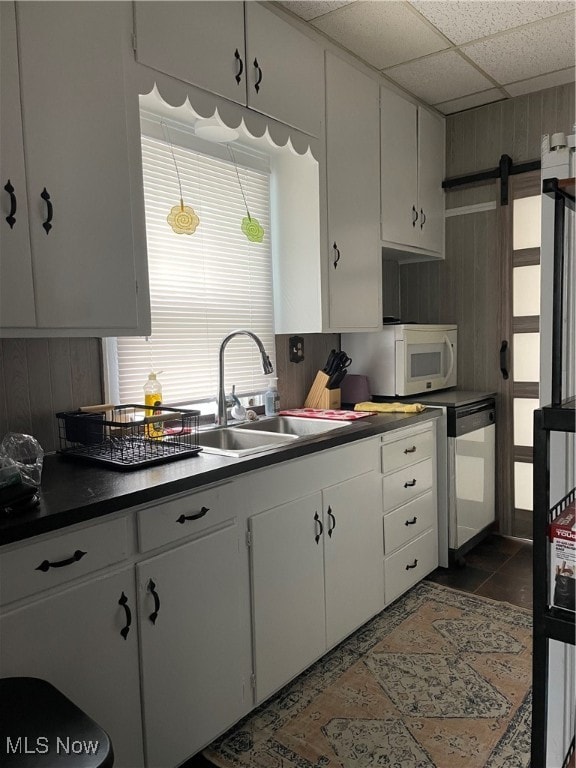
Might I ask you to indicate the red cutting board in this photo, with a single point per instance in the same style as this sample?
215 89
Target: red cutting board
319 413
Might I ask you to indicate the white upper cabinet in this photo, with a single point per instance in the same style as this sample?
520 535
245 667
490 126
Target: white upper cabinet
258 60
412 169
16 286
201 43
83 203
285 71
353 179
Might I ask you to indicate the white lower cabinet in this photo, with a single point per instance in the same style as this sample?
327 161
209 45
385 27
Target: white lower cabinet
191 638
84 641
316 568
410 507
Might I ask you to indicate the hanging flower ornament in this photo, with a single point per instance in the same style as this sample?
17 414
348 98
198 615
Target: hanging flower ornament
250 226
181 218
252 229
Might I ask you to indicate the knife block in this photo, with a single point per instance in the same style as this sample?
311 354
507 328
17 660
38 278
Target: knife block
319 396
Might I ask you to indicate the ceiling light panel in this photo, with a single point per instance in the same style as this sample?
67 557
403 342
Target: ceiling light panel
465 20
381 33
526 52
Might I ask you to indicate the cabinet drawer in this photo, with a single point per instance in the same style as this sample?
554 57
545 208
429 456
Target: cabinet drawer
408 450
45 564
403 486
410 564
185 516
409 521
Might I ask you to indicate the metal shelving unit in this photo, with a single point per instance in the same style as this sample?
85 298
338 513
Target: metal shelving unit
550 623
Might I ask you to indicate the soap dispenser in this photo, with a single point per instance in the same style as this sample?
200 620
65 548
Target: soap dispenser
153 399
272 399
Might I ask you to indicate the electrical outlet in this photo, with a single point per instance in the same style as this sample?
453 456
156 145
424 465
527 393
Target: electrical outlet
296 349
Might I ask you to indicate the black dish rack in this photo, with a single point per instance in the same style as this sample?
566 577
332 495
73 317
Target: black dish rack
129 436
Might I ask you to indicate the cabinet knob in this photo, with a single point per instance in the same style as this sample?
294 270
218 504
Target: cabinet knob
11 219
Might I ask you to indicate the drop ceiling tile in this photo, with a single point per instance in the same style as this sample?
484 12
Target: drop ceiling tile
311 9
465 20
381 33
544 81
530 51
467 102
440 77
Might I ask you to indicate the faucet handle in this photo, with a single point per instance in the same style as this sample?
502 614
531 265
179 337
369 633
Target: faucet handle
238 411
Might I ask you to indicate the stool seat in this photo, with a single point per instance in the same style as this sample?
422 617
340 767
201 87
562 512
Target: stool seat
42 728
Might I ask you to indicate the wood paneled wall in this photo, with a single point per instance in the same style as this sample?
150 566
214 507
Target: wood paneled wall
40 377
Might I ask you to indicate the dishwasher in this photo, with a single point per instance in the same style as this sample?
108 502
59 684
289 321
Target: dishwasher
471 433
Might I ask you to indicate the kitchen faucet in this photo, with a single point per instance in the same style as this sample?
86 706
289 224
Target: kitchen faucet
267 367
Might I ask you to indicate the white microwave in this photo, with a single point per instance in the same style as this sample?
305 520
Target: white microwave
405 359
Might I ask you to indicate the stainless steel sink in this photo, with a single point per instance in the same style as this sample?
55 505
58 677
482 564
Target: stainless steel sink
263 435
233 441
293 425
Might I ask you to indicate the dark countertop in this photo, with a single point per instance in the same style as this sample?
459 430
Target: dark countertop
446 397
73 492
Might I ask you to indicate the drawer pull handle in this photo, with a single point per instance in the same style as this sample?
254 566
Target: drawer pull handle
49 210
238 75
336 255
410 483
11 218
258 69
183 518
317 519
45 565
414 564
411 450
331 516
124 603
411 522
152 589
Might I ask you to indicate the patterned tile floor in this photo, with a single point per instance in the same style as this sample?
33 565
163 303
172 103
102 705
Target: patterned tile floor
499 568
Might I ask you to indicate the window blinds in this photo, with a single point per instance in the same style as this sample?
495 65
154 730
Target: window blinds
202 286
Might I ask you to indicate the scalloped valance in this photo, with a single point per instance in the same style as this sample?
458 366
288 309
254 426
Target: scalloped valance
183 102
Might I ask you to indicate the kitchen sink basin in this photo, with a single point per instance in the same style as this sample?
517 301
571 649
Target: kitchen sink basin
293 425
233 441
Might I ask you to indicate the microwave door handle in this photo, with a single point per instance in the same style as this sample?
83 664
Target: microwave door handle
451 352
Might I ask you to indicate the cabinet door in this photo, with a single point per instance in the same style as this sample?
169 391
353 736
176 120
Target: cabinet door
201 43
74 640
399 170
16 282
352 136
353 553
76 148
190 633
285 71
430 175
287 570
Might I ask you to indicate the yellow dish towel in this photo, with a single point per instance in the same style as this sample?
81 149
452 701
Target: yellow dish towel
390 407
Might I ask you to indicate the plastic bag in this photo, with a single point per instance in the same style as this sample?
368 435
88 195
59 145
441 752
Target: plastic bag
25 453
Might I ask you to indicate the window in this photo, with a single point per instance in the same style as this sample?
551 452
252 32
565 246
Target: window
204 285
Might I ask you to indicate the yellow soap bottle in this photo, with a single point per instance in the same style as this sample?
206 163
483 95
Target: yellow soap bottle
153 398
